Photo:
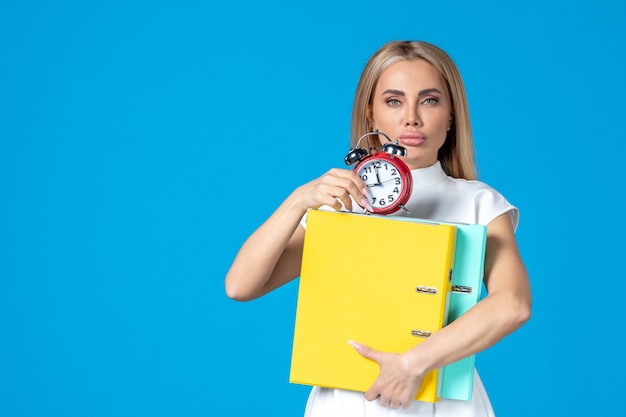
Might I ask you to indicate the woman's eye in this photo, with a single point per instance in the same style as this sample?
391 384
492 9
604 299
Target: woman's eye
393 102
430 100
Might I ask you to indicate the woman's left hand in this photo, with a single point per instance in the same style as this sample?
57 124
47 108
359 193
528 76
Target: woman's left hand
397 383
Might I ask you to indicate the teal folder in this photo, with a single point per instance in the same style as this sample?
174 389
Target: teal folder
458 377
467 282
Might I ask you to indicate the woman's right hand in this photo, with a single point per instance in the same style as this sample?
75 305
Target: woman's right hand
333 189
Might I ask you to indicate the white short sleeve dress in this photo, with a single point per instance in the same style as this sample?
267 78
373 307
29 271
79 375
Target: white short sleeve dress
435 196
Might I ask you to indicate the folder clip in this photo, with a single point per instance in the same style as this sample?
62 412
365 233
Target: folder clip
420 333
422 289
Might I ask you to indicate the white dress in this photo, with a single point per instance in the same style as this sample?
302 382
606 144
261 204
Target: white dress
435 196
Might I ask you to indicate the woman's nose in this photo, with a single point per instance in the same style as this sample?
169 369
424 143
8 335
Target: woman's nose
411 118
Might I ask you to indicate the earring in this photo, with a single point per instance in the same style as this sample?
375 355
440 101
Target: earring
374 130
448 129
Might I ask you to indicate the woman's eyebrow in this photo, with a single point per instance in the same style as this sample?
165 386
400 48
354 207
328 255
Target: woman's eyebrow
430 91
421 93
394 92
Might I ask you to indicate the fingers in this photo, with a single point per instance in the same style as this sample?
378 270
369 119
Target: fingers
389 396
388 400
395 404
335 188
367 351
346 183
391 387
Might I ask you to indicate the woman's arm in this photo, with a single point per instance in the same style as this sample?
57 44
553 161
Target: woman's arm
506 307
272 255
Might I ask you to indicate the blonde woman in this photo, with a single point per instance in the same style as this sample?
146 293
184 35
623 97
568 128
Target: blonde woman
412 91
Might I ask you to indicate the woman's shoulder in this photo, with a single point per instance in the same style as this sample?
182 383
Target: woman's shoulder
488 202
472 186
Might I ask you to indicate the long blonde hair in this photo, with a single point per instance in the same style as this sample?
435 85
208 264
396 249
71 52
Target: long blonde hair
457 155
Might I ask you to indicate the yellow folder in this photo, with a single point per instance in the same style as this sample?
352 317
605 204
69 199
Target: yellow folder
376 281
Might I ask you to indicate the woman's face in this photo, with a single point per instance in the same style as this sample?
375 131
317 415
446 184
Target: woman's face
411 103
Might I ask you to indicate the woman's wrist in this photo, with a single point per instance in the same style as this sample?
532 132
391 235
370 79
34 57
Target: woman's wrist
293 207
298 201
417 362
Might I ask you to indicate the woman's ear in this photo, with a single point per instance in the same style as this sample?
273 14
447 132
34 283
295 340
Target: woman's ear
370 116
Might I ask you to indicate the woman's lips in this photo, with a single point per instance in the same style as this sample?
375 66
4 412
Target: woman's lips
412 139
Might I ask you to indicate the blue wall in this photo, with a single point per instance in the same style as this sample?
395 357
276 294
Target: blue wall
122 124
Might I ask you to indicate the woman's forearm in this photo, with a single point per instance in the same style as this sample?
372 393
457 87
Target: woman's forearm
272 255
506 307
490 320
266 259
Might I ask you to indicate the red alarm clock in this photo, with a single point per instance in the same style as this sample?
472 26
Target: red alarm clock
387 177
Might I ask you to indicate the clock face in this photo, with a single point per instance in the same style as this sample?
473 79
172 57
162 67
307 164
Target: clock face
388 181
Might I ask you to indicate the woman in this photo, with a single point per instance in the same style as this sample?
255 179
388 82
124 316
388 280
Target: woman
411 91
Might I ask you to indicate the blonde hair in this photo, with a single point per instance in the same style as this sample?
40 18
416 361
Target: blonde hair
457 155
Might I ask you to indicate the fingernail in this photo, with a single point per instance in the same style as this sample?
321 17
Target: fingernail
366 192
355 345
367 205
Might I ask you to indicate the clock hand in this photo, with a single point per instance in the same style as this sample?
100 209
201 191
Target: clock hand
377 179
391 179
377 176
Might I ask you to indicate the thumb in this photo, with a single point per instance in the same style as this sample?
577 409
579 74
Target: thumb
365 351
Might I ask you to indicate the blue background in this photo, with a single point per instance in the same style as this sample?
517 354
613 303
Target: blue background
126 126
